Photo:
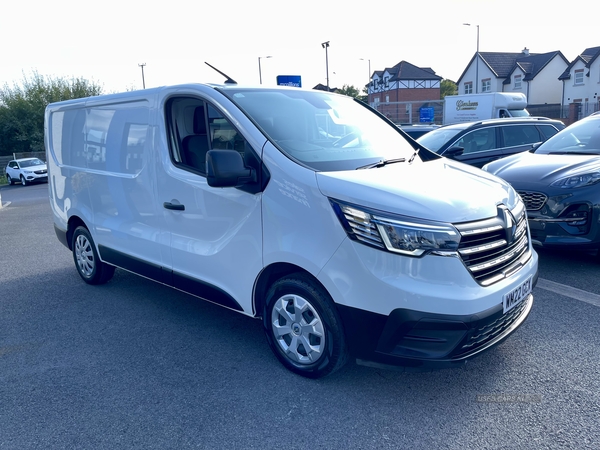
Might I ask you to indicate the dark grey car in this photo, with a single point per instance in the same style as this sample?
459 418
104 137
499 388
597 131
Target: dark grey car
559 183
478 143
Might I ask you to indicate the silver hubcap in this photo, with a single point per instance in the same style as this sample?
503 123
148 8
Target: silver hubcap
298 329
84 255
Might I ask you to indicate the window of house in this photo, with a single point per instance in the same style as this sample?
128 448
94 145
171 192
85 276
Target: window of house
579 76
469 87
387 98
486 85
518 81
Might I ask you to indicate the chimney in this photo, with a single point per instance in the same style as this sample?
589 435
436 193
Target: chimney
525 51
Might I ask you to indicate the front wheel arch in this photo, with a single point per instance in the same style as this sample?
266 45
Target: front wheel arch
303 327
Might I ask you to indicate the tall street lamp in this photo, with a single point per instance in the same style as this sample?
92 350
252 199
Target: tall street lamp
325 45
143 81
259 71
369 78
476 62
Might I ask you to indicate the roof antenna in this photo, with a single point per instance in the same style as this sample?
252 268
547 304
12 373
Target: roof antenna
228 80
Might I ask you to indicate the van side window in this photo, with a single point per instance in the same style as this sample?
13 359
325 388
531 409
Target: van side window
196 128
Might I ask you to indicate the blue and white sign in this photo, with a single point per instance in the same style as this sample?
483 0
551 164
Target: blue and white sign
289 80
426 115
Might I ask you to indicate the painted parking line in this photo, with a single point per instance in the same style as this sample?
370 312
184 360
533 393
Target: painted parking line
568 291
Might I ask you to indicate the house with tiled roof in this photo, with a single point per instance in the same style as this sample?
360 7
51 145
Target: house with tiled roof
533 74
403 83
581 84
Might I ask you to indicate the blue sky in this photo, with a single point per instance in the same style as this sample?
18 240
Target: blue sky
106 41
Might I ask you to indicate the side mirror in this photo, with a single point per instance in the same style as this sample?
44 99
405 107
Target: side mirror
535 146
225 168
454 151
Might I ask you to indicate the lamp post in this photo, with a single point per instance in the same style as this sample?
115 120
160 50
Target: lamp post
476 62
325 45
369 78
259 71
143 81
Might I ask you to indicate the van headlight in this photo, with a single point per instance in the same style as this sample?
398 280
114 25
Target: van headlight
397 234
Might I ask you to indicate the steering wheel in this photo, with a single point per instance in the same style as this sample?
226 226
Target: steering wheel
345 139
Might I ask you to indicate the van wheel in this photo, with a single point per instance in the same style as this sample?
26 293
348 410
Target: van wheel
23 181
89 266
303 327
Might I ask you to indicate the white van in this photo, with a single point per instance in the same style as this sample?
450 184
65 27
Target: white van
303 208
489 105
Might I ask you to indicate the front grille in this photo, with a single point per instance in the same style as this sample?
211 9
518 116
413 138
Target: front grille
40 172
533 200
489 331
495 248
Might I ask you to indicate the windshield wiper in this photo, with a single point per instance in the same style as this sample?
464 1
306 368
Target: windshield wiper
381 163
573 153
413 155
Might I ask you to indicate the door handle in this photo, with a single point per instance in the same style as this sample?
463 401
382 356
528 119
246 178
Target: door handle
174 207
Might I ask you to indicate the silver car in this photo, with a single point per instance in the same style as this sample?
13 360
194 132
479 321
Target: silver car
27 171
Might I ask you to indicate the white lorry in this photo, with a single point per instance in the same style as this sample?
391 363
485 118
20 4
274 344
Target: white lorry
302 208
472 107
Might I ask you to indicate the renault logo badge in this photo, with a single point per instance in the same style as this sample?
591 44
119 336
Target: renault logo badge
510 224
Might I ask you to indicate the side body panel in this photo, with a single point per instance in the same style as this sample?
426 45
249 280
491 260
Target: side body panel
100 161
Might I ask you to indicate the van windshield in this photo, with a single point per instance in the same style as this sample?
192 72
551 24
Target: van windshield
324 131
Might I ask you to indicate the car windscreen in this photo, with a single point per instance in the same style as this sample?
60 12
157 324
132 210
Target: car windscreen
31 162
582 137
518 113
434 140
324 131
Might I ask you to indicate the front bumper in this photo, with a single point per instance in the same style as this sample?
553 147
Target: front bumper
36 178
424 340
563 230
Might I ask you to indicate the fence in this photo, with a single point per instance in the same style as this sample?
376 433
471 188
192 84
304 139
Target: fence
415 112
432 111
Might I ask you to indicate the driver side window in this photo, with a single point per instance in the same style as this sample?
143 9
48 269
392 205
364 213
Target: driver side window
197 127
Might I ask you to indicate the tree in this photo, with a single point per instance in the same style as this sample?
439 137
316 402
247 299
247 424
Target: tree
22 109
352 91
448 87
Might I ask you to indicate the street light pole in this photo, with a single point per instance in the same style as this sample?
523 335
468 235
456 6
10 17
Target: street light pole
259 70
143 81
476 62
325 45
369 78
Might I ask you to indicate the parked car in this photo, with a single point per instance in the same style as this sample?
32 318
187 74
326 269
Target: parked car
417 130
559 181
478 143
27 171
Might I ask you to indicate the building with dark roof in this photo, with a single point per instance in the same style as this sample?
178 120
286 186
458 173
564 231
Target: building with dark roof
581 84
403 82
533 74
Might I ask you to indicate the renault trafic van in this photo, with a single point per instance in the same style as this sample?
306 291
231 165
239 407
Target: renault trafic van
302 208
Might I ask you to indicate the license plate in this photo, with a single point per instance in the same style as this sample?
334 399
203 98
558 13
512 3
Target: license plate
516 296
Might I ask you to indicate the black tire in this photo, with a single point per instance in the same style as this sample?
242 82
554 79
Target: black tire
87 262
23 181
9 180
299 313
